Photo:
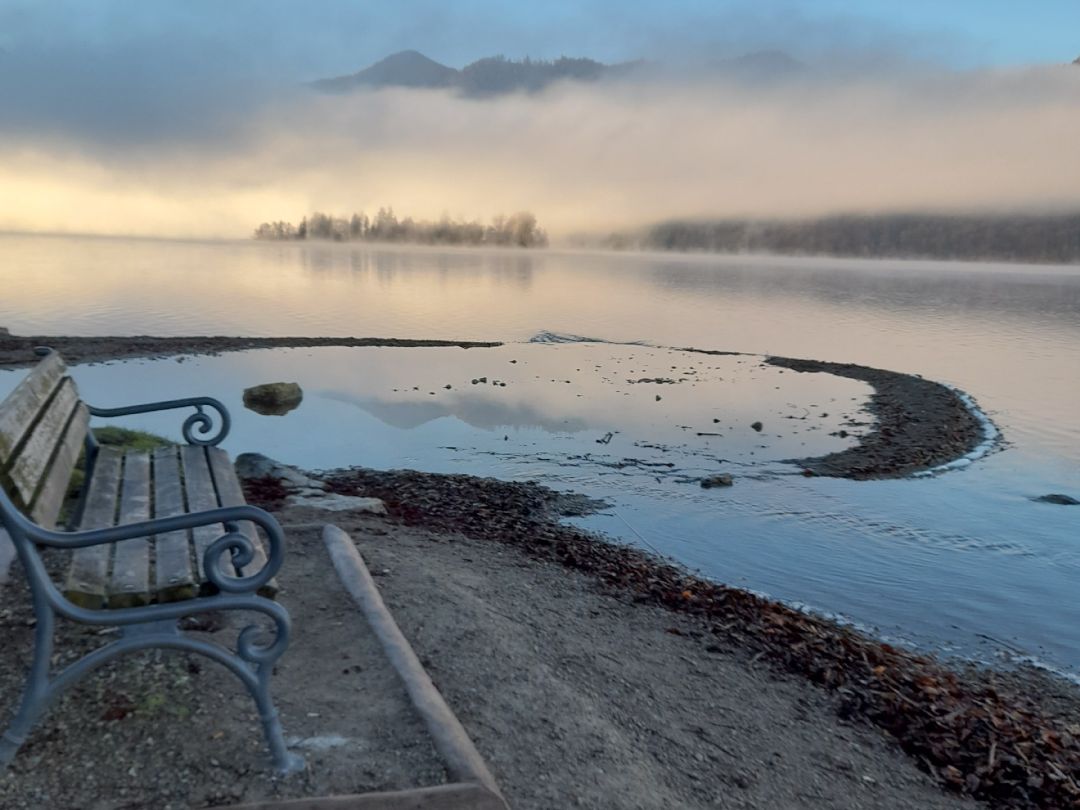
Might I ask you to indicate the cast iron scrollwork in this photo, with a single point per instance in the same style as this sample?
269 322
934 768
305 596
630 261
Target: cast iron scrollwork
198 428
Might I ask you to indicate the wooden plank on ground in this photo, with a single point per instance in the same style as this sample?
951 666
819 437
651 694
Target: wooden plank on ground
199 489
30 465
129 585
173 576
54 490
230 494
90 566
20 409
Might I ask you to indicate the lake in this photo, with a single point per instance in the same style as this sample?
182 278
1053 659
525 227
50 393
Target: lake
964 562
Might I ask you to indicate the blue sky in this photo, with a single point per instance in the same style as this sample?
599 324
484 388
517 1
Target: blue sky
318 37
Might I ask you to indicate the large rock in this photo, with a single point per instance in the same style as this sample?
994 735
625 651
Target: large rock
4 332
256 465
273 399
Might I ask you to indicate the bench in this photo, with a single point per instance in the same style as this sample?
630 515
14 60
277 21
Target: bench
155 537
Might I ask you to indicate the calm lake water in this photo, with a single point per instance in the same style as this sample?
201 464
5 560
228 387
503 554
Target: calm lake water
962 562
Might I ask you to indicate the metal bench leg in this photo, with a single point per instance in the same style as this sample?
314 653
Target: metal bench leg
252 663
285 761
35 696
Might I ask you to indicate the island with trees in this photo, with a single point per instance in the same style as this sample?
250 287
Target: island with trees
517 230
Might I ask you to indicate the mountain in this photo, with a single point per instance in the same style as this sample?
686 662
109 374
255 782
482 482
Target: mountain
497 75
403 69
493 75
759 66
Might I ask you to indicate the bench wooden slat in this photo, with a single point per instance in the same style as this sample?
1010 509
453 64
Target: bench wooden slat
173 576
28 469
129 585
199 486
54 490
90 566
230 494
22 406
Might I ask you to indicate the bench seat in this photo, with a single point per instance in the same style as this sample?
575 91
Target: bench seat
133 486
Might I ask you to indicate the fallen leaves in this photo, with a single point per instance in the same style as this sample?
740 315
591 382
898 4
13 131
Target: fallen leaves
1000 748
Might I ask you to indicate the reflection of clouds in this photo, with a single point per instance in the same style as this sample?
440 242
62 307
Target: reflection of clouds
479 412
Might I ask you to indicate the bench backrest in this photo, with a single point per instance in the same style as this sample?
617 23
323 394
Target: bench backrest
43 425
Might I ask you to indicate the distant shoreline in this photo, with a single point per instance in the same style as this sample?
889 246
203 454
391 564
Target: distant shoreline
589 247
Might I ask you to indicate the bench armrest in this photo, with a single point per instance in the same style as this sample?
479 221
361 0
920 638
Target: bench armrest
200 418
233 541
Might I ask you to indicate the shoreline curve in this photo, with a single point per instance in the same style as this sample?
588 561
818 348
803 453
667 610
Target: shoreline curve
921 428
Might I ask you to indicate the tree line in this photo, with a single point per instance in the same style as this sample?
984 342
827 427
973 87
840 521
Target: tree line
517 230
1022 238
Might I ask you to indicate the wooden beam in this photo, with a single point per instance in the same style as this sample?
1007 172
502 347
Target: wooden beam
455 796
463 761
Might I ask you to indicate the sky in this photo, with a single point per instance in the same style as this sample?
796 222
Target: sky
314 37
192 119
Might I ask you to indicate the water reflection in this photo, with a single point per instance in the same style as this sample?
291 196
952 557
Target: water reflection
479 412
387 264
1028 293
269 408
944 559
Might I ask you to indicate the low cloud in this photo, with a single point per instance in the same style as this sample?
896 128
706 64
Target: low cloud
583 157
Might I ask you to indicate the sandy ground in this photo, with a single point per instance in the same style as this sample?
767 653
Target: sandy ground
574 697
166 730
578 699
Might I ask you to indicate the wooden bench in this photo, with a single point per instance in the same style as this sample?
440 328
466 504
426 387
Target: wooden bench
156 536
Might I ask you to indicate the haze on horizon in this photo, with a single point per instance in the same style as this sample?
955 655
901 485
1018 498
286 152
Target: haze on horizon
195 120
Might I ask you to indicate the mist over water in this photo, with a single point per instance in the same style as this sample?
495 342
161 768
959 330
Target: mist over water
965 561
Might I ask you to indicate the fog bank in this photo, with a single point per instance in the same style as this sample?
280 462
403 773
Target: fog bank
582 157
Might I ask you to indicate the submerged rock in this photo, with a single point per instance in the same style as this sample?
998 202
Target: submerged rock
1058 498
719 480
250 466
273 399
